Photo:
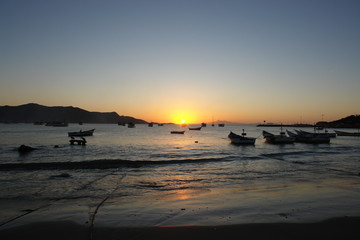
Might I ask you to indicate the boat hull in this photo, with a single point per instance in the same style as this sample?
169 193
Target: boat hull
81 133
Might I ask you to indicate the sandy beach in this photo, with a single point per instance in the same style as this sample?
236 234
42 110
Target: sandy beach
337 228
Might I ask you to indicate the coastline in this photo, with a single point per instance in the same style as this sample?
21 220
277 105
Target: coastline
335 228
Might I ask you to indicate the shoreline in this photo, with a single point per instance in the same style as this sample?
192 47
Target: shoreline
334 228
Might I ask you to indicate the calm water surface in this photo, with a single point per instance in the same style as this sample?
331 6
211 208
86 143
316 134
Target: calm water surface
150 163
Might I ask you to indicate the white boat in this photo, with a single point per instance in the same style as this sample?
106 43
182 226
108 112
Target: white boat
341 133
309 137
277 139
241 140
325 134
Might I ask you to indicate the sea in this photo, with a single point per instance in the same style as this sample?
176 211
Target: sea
145 176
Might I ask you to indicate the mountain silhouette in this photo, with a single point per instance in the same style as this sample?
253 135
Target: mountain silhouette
33 112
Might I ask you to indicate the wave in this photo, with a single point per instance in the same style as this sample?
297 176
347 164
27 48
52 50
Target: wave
100 164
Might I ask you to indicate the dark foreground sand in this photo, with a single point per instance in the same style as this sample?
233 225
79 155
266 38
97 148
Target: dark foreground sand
337 228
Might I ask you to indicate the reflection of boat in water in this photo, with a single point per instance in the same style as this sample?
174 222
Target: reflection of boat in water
309 137
278 139
81 133
341 133
194 128
241 140
81 141
177 132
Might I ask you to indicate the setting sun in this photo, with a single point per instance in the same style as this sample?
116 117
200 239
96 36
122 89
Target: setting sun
182 121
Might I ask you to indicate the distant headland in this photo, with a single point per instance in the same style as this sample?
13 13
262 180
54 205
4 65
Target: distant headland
32 112
352 121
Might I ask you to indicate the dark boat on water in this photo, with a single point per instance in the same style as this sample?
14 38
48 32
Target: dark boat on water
177 132
241 140
81 133
277 139
305 137
341 133
195 128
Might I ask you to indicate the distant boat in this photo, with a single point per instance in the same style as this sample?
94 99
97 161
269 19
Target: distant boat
131 125
57 124
203 124
121 124
177 132
195 128
150 124
81 133
278 139
341 133
221 124
309 137
160 124
241 140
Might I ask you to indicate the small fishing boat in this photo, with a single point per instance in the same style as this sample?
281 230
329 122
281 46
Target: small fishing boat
309 137
341 133
194 128
81 133
241 140
277 139
203 124
325 134
131 125
177 132
57 124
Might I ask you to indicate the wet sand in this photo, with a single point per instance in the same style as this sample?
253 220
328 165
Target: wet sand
336 228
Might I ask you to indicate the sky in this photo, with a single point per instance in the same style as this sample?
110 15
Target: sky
245 61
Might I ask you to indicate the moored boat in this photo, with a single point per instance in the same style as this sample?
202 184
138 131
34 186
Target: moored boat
309 137
194 128
81 133
241 140
324 134
177 132
277 139
342 133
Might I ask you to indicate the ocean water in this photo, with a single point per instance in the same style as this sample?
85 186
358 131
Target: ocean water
147 176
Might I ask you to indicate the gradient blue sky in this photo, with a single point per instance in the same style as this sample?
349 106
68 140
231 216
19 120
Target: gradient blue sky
243 61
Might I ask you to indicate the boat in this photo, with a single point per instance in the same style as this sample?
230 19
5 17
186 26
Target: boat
221 124
150 124
81 133
203 124
325 134
131 125
341 133
241 140
57 124
309 137
195 128
277 139
177 132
